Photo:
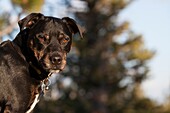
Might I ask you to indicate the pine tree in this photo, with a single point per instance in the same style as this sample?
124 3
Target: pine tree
29 5
107 66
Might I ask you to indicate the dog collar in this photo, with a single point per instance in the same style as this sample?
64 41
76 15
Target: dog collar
35 68
45 84
39 72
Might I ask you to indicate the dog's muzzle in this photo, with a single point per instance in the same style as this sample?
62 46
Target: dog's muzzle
54 62
58 62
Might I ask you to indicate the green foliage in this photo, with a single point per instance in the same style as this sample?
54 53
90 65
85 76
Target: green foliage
3 21
29 5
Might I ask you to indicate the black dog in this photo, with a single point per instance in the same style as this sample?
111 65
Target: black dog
39 50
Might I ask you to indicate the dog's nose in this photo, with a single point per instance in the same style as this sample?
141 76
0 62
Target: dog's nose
57 60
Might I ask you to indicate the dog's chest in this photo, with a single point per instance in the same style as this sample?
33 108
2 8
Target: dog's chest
34 102
37 92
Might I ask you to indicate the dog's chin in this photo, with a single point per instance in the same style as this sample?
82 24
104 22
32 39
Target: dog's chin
55 71
51 68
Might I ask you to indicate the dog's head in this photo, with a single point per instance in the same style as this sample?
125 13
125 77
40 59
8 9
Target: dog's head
49 39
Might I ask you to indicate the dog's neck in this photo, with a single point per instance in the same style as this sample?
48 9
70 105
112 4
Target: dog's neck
35 70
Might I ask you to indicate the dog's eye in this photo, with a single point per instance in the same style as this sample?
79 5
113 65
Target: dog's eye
43 38
66 39
63 39
40 36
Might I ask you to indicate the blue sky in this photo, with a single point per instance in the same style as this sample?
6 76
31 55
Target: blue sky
151 18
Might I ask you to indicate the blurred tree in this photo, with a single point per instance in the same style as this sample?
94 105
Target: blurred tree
9 19
29 5
106 68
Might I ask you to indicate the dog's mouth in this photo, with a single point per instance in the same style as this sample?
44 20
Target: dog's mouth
52 68
55 71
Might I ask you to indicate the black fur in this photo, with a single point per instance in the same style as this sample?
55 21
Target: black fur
40 48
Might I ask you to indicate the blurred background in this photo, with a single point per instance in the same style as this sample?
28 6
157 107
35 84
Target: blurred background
121 65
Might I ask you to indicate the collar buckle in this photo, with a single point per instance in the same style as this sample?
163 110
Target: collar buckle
45 84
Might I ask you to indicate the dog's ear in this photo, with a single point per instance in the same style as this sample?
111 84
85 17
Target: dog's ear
30 20
73 26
